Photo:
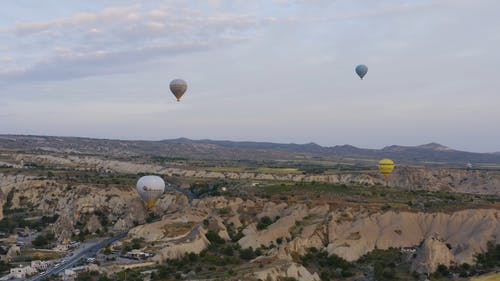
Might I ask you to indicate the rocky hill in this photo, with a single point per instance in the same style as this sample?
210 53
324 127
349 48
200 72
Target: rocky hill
267 221
350 233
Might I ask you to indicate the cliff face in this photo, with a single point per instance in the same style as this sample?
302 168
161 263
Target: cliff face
431 254
286 269
77 203
466 231
453 180
347 233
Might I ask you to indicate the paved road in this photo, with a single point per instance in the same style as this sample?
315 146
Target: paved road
186 192
86 253
92 250
192 234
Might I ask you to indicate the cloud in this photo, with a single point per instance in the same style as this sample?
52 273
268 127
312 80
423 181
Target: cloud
108 41
67 65
112 14
6 59
376 11
115 32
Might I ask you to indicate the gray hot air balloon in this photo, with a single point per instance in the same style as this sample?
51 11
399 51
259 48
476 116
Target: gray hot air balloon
178 88
150 188
361 70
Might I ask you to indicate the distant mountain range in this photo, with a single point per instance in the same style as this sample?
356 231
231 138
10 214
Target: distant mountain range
242 150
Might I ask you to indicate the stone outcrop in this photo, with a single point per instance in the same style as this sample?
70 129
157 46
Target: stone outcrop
286 269
466 231
279 229
73 202
175 250
431 254
63 227
12 253
93 224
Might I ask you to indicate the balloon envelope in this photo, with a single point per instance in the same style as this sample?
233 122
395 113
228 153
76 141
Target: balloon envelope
361 70
178 88
386 166
150 188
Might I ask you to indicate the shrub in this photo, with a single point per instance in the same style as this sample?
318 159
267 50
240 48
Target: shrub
264 223
214 237
247 254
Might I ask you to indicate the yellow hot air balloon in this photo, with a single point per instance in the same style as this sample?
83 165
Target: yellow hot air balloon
386 166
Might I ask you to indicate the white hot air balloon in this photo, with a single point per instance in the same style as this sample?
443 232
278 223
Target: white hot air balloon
150 188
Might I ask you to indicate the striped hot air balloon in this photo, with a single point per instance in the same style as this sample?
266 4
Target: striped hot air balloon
386 166
178 88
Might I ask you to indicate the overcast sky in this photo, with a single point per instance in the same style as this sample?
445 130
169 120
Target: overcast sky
260 70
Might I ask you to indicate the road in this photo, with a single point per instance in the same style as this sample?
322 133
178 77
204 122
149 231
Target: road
92 250
186 192
86 253
192 234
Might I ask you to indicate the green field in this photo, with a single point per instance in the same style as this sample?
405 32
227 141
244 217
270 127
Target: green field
265 170
387 197
226 169
487 277
33 254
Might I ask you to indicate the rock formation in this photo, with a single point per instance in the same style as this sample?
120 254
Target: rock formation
431 254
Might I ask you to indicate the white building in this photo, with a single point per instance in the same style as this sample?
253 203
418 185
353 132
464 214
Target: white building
408 250
40 265
72 273
68 275
138 255
22 272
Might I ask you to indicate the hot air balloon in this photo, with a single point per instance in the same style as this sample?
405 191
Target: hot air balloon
150 188
178 88
361 70
469 166
386 166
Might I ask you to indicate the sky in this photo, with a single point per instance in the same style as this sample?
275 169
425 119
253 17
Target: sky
259 70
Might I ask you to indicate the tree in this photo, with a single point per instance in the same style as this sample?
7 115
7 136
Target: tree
247 254
264 222
40 241
213 237
107 251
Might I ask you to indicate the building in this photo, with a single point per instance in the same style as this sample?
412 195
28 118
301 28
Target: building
116 245
74 244
62 247
23 232
68 275
22 272
72 273
138 255
408 250
40 265
104 257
